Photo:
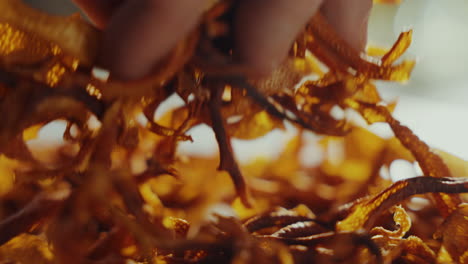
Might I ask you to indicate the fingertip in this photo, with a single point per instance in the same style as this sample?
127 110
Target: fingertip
258 65
141 33
350 19
265 31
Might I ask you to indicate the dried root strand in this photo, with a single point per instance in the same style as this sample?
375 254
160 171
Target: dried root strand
364 213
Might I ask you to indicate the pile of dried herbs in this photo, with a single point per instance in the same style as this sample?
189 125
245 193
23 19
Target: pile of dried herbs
118 191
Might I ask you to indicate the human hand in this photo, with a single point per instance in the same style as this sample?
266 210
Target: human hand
139 33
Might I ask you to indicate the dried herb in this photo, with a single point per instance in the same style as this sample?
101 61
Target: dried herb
118 191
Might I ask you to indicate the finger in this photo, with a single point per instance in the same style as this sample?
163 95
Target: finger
142 32
349 18
98 11
266 29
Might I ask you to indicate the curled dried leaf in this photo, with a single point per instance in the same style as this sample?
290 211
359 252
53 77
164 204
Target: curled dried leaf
72 34
453 233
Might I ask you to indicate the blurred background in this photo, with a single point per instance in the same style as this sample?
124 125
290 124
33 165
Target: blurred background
434 103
